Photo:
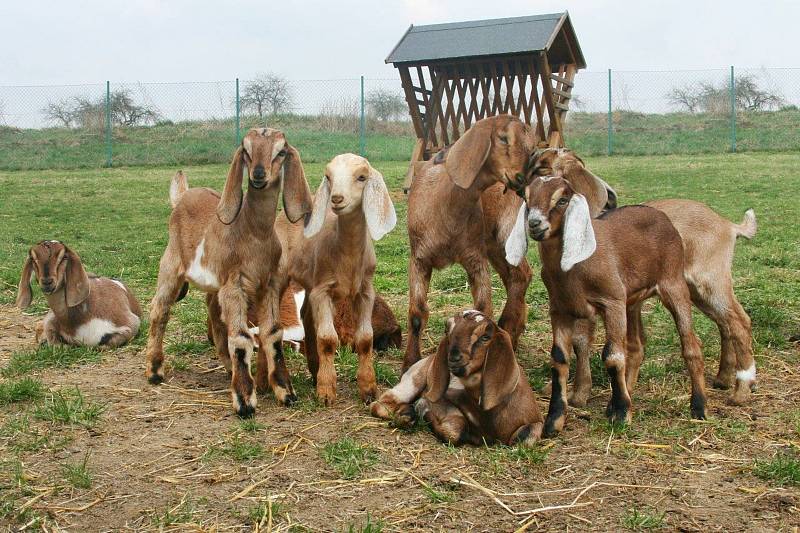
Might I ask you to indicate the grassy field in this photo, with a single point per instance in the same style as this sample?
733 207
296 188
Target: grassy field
87 444
323 137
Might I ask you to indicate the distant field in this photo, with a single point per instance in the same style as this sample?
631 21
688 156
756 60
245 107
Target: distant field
320 138
87 444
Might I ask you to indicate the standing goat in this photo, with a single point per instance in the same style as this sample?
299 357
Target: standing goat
709 241
335 264
84 309
475 390
457 213
227 246
607 266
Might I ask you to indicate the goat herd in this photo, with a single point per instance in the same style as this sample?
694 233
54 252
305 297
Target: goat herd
306 275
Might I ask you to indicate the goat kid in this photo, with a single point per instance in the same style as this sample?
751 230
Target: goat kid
85 310
607 266
226 246
474 389
336 263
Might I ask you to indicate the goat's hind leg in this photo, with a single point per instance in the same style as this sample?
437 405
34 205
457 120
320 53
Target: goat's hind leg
217 330
516 280
170 282
447 422
233 304
397 403
272 371
674 295
419 279
619 406
563 328
582 340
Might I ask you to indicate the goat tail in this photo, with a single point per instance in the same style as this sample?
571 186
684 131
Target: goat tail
748 227
178 186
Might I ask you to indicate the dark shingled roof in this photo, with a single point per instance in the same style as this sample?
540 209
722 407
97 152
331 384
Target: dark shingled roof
483 38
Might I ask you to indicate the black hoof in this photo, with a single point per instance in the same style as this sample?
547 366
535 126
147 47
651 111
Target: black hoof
550 430
698 407
246 411
290 399
156 379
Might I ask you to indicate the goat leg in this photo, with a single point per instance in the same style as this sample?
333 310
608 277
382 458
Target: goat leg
364 302
582 340
327 343
170 281
562 346
271 370
419 279
217 330
634 345
516 280
233 304
618 409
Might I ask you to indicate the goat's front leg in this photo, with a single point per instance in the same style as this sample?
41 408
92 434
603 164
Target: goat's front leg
272 372
170 281
327 342
563 327
46 331
233 304
618 409
362 307
419 279
582 340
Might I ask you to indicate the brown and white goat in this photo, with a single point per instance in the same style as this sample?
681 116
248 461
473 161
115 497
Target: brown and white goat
709 241
457 213
85 310
335 264
607 266
475 391
226 245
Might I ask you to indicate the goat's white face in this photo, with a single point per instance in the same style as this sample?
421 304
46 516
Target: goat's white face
347 175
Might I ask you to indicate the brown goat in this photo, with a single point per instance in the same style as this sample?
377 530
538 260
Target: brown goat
474 389
85 310
226 245
457 213
607 266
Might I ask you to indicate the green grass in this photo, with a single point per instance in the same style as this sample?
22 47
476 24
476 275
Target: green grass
78 474
46 356
238 448
783 469
639 520
438 495
348 457
370 526
22 390
260 513
69 407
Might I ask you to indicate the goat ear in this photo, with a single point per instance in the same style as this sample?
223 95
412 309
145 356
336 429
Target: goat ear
500 372
296 194
24 294
578 237
517 241
377 206
231 202
322 200
466 157
75 279
438 377
611 203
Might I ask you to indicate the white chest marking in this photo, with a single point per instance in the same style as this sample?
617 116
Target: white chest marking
93 331
200 275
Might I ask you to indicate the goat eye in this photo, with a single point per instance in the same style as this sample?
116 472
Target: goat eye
362 178
485 338
562 202
503 139
282 153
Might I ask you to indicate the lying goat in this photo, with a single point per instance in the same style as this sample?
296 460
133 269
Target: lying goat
85 309
474 389
709 241
226 245
335 265
607 266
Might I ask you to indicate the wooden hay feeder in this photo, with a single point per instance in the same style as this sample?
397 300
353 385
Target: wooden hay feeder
458 73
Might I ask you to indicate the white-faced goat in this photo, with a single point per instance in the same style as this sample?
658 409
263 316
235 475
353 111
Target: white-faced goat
335 264
227 246
474 389
85 309
607 266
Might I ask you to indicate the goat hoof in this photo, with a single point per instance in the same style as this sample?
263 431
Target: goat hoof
289 400
155 379
552 427
722 383
619 415
246 411
577 400
699 414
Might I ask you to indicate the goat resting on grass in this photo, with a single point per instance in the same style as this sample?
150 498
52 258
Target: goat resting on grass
335 264
85 310
226 245
709 241
474 389
607 266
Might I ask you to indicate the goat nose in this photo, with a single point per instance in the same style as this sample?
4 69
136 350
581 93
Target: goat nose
259 172
535 223
337 198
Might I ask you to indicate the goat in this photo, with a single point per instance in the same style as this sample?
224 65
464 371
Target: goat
85 310
226 245
708 244
474 389
457 213
335 264
607 266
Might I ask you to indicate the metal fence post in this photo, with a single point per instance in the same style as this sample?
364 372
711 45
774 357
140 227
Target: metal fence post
610 123
362 127
733 111
108 124
238 107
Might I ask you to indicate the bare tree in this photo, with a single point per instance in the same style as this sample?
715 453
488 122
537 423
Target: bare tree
61 113
685 97
125 112
385 105
710 98
267 93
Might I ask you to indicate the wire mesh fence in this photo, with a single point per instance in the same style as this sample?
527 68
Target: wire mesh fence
612 112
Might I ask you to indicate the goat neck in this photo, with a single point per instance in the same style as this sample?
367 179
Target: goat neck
351 230
259 209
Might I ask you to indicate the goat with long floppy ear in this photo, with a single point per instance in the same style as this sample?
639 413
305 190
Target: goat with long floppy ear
517 242
578 238
231 201
500 371
24 294
438 371
75 279
377 205
322 202
469 153
296 194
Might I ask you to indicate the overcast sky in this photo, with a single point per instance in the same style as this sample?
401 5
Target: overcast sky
74 41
